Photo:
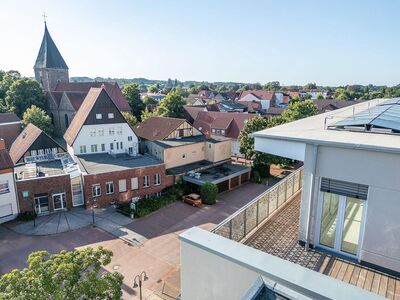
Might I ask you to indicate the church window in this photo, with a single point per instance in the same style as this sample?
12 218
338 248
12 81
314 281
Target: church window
66 121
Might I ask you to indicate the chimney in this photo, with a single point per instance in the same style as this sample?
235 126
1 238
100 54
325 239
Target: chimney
2 144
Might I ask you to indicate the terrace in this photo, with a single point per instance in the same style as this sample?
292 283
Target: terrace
270 223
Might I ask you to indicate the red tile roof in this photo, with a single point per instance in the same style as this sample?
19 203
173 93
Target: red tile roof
8 117
112 89
22 143
205 120
157 128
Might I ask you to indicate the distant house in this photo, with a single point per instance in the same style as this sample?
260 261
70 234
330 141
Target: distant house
273 112
10 128
325 105
266 99
223 124
156 96
8 200
45 174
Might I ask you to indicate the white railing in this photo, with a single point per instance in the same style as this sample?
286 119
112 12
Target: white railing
238 225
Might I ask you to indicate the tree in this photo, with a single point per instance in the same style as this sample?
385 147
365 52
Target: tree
68 275
146 114
208 193
310 86
24 93
154 88
320 96
39 118
172 105
299 110
147 100
132 94
272 86
130 118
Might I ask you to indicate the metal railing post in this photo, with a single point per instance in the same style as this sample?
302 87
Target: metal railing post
258 204
244 224
230 229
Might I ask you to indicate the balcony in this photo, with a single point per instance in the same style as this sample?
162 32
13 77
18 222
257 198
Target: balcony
270 223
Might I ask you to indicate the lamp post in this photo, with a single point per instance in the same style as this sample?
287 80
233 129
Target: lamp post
137 282
94 200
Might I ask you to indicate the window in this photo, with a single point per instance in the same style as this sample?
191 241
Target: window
111 146
33 152
134 183
222 131
93 148
66 121
4 188
146 181
103 147
122 185
101 132
120 145
183 155
158 194
157 179
109 188
92 132
218 131
213 130
111 131
111 115
99 116
96 190
129 138
117 145
209 146
82 149
40 151
119 130
130 150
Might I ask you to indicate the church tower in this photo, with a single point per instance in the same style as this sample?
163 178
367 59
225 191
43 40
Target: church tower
50 68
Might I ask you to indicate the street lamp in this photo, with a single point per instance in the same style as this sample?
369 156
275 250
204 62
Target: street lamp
137 282
94 200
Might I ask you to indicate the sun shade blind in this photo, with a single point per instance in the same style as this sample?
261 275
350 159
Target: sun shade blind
344 188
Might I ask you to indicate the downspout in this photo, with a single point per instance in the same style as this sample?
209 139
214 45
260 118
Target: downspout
313 168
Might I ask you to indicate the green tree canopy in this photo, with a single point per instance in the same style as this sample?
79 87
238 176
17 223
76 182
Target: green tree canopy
310 86
24 93
154 88
147 100
68 275
130 118
299 110
132 94
39 118
146 114
172 105
272 86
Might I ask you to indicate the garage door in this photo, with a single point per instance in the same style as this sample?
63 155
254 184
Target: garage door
5 210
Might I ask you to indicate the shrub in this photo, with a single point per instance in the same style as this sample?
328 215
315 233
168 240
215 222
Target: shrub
256 177
208 193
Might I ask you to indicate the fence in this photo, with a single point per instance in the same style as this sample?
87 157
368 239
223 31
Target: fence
238 225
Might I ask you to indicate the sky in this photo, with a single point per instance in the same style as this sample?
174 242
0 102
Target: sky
291 41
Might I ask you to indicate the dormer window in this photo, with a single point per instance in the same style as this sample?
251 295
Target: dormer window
213 130
218 131
222 131
99 116
111 115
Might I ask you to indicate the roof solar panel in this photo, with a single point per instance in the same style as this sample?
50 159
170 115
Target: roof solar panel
385 115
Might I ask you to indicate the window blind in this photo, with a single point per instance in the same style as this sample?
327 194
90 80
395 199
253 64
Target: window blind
344 188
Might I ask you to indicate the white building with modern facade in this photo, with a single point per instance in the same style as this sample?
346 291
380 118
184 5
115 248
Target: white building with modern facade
350 198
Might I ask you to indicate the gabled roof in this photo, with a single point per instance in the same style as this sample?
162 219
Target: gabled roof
81 116
76 98
5 160
112 89
157 128
332 104
193 111
9 117
234 122
25 140
56 97
49 56
260 94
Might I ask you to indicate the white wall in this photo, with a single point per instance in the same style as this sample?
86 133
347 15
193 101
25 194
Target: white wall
8 201
293 150
380 171
84 138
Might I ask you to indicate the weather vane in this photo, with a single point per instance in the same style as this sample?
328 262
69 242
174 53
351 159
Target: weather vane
44 16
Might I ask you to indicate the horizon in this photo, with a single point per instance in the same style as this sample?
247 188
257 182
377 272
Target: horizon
211 42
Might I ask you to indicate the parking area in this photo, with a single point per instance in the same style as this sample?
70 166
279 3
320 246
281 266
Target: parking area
158 255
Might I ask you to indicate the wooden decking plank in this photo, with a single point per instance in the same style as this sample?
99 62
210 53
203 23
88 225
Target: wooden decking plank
342 271
383 285
362 278
335 269
390 288
368 280
397 290
355 275
375 283
349 273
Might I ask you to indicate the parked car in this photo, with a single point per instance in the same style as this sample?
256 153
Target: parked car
192 199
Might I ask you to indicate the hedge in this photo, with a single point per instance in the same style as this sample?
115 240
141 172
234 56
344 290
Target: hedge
208 193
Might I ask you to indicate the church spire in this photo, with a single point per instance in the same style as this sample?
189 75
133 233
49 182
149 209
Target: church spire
49 56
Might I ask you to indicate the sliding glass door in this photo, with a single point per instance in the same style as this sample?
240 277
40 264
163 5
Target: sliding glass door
340 223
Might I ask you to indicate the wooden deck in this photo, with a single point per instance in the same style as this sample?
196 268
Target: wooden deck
279 237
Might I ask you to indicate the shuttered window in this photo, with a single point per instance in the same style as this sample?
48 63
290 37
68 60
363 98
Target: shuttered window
344 188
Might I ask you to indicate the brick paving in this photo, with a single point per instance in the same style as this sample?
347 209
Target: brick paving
279 237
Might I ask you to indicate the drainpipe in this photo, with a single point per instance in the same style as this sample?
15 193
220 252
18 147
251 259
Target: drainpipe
313 169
